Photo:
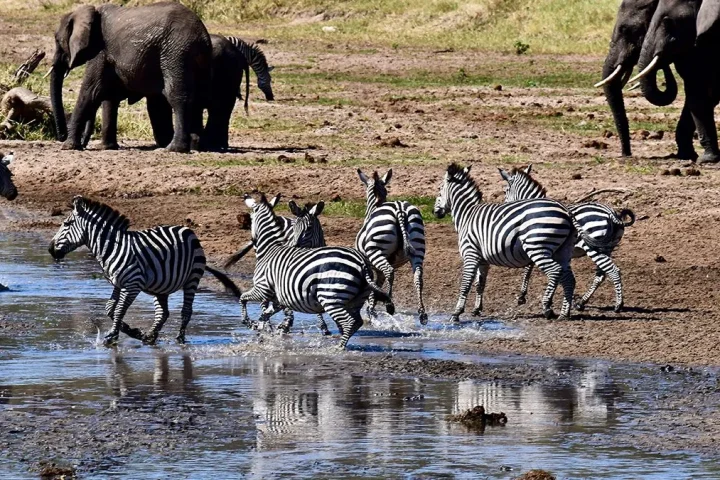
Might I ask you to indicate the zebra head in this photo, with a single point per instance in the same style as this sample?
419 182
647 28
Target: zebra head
262 70
7 187
457 188
265 228
375 187
520 185
307 231
72 233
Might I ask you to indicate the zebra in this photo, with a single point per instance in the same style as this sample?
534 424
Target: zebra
335 280
599 221
158 261
7 186
309 234
258 62
513 235
392 234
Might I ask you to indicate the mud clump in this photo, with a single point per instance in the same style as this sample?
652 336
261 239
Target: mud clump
536 474
393 142
596 144
476 418
55 472
244 221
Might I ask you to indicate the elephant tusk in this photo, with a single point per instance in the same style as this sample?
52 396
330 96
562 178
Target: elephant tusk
610 77
647 69
634 87
66 74
48 72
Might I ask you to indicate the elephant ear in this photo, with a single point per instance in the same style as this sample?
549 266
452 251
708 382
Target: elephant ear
708 20
80 33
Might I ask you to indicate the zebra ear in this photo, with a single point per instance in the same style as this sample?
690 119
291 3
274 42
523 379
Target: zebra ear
78 202
387 177
275 200
297 211
250 202
505 175
317 209
528 169
363 178
467 169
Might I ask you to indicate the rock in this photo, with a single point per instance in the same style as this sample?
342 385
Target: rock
498 88
309 158
656 135
244 221
336 198
576 176
285 159
536 474
596 144
692 172
56 211
660 259
607 134
642 134
477 418
667 368
393 142
20 105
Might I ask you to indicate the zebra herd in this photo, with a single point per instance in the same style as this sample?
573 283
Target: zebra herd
297 272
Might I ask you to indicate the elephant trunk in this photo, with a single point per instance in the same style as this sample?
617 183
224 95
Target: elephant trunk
648 83
614 97
56 82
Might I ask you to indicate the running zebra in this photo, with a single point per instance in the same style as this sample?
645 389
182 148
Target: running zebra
7 186
158 261
392 234
334 280
511 235
257 61
597 220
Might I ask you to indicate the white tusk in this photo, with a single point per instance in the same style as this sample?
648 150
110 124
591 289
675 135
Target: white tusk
66 74
609 78
646 70
634 87
48 73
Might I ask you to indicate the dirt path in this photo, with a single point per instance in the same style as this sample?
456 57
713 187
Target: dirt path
309 143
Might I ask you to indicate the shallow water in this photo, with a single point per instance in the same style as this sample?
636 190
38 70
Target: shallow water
236 402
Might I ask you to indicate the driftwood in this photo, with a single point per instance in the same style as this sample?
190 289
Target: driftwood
20 105
29 66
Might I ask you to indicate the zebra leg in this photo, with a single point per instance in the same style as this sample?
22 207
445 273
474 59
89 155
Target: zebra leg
553 270
323 326
187 310
348 322
135 333
418 278
252 295
481 280
599 277
605 267
522 298
470 266
161 315
287 322
125 298
567 279
372 313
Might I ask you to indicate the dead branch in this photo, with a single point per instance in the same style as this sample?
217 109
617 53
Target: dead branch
598 192
29 66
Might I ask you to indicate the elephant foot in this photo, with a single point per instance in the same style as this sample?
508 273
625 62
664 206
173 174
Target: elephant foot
111 339
109 146
71 145
521 300
709 157
685 154
390 308
423 318
178 147
549 314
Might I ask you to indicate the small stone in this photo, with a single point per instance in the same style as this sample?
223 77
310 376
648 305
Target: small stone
596 144
56 211
576 176
660 259
656 135
607 134
675 172
309 158
498 88
285 159
393 142
692 172
244 221
336 198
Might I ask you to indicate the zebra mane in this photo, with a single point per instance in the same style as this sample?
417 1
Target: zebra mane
457 174
528 178
107 213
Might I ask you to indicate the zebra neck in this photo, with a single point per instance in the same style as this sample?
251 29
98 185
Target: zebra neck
461 206
371 206
105 242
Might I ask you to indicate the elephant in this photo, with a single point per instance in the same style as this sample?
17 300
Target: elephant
227 68
671 38
631 25
160 51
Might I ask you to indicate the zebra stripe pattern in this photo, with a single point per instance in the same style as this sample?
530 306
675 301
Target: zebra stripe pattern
512 235
334 280
392 234
158 261
256 58
599 221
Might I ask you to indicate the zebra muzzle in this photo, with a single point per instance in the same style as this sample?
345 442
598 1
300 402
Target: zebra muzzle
54 252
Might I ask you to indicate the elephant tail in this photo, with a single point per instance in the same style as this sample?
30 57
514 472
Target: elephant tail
247 89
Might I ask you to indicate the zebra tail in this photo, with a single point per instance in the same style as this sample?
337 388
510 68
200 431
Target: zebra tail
626 212
379 293
594 243
238 255
225 280
403 221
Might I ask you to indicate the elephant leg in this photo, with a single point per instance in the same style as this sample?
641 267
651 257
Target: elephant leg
160 114
704 117
684 135
88 131
84 113
215 135
109 124
185 114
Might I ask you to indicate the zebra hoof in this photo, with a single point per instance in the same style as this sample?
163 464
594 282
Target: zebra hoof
477 312
423 318
284 328
455 319
151 338
390 309
325 332
180 339
563 318
618 308
521 300
111 339
371 313
549 314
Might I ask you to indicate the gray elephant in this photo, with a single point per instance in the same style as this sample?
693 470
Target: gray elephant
671 38
631 25
228 65
160 51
